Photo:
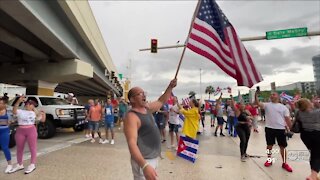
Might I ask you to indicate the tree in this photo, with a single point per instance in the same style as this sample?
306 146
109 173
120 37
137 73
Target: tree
209 90
192 94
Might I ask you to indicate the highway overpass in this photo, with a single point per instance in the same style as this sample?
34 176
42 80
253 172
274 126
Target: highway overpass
50 46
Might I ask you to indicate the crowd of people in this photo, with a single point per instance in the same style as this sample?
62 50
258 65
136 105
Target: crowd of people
145 126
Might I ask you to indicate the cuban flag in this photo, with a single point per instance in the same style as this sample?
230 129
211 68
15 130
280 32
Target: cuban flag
287 97
188 148
181 120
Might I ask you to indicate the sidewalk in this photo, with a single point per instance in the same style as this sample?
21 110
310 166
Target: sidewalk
218 158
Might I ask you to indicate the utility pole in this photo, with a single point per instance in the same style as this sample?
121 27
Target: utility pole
200 87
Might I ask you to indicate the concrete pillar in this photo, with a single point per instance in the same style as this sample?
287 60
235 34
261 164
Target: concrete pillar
40 88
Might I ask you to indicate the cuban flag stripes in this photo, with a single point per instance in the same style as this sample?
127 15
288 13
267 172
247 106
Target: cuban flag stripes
188 148
287 97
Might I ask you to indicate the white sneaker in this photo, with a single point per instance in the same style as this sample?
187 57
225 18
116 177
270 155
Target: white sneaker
92 140
8 169
100 141
87 135
112 141
17 168
30 168
106 141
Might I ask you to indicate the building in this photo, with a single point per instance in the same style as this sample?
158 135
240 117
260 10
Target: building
303 87
316 71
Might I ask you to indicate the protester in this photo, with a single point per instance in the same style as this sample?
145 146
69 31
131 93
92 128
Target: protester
26 131
219 116
5 97
213 114
109 121
123 108
161 122
191 121
5 133
202 115
231 116
142 135
95 115
310 133
253 109
242 127
116 114
174 121
86 124
277 121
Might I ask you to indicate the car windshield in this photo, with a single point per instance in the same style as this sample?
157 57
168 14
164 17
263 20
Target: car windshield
52 101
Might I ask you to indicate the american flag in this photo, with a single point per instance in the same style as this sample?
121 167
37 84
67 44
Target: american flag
213 36
185 102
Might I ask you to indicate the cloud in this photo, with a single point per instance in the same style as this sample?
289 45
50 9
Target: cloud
129 26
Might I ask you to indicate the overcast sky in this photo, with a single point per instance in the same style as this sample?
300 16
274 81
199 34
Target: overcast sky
129 26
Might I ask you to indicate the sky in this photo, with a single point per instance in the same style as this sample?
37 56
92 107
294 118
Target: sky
129 26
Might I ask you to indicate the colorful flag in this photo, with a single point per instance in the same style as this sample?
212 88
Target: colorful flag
229 89
181 120
185 102
170 100
284 96
217 91
213 36
188 148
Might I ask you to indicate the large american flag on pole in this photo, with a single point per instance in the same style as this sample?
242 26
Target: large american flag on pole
214 37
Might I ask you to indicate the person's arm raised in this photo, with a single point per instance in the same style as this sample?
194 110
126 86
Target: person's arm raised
154 106
258 103
236 110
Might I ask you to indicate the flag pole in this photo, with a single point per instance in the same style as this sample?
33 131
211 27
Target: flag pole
185 46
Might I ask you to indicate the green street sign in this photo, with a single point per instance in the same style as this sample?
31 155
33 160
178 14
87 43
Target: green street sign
287 33
120 76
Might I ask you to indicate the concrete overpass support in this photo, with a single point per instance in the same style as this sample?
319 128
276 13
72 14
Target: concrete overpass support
41 88
42 77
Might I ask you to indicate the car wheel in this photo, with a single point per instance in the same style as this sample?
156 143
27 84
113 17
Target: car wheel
46 130
78 128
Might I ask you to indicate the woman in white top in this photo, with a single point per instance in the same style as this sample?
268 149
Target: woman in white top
27 131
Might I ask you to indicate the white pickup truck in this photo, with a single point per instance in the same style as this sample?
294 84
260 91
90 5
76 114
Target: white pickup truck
59 113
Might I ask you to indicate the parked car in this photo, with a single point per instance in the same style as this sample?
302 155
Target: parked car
59 114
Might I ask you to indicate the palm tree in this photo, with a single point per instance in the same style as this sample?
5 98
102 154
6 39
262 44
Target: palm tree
192 94
209 90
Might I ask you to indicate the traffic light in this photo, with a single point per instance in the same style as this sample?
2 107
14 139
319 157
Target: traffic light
154 45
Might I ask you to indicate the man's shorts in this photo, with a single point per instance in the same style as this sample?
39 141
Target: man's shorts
173 127
220 120
161 124
137 171
273 134
116 119
121 115
86 124
108 125
94 126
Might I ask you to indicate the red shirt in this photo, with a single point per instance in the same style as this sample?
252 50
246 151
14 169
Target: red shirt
253 110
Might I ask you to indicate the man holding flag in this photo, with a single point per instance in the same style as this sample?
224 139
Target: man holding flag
142 134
